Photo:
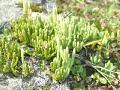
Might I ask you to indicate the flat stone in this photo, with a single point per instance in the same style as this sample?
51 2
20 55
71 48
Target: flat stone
39 81
14 84
38 1
57 86
50 6
8 11
3 87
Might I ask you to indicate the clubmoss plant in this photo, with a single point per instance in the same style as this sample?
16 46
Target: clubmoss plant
26 69
61 65
10 54
10 58
59 37
37 35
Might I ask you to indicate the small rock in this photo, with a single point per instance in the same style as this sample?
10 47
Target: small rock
1 74
14 84
40 81
50 6
34 1
8 11
3 87
3 80
57 86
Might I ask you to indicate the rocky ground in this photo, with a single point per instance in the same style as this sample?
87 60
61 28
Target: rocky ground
9 10
38 81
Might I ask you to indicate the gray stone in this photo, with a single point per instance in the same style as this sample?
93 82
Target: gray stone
40 80
57 86
38 1
33 1
50 6
3 87
8 11
1 74
14 84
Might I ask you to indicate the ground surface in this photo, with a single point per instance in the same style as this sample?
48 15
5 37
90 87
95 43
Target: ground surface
38 81
9 11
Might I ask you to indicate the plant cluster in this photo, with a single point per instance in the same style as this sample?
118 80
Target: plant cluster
60 39
12 58
62 63
38 34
